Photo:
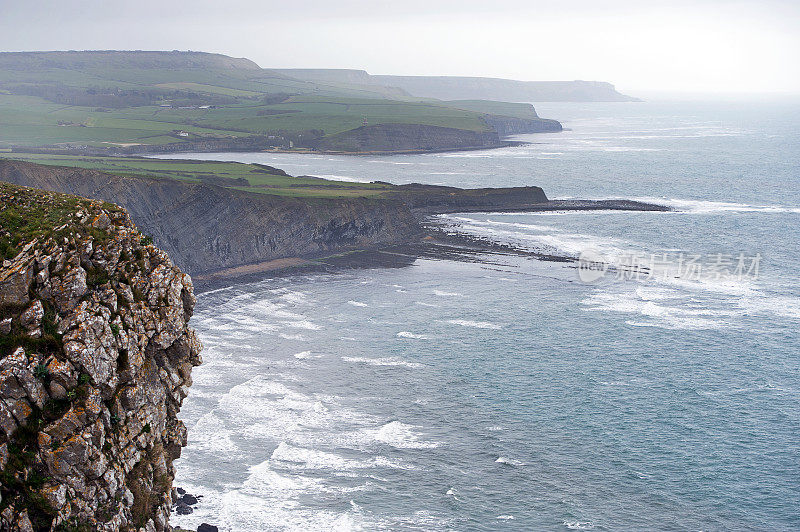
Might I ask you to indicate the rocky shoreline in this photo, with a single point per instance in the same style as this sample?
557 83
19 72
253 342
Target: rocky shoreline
216 233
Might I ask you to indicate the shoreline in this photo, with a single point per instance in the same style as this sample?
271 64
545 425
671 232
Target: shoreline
111 152
434 244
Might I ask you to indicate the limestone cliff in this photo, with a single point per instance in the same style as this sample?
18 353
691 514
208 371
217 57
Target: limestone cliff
95 359
206 228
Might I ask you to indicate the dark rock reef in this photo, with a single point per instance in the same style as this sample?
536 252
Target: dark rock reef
95 359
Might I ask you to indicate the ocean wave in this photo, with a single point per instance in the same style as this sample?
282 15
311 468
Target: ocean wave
304 355
407 334
400 436
315 459
210 434
475 324
658 315
442 293
508 461
302 324
712 207
385 361
357 303
579 525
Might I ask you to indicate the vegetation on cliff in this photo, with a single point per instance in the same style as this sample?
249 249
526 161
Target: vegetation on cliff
130 102
95 356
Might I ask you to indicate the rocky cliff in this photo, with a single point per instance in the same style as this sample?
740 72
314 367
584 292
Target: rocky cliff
95 359
397 138
206 228
470 88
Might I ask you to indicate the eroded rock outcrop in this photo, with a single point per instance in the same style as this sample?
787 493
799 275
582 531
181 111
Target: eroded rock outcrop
95 359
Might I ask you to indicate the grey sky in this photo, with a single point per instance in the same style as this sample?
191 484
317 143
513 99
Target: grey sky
703 45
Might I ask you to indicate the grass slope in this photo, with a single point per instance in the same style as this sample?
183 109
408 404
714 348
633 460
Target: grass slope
102 99
249 177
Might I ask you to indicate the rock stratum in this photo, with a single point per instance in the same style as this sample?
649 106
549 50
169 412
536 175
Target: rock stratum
208 229
95 359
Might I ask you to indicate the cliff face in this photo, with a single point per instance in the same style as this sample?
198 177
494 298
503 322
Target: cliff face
470 88
508 125
206 228
407 137
95 358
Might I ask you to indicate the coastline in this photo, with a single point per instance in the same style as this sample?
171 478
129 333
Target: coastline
133 151
432 243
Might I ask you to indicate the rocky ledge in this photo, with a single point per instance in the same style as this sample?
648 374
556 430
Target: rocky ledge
95 359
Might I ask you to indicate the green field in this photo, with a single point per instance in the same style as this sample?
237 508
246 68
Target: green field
258 178
126 99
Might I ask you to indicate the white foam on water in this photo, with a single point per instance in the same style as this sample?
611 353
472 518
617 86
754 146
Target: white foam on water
713 207
305 355
508 461
786 307
442 293
660 315
505 517
424 304
210 434
399 435
302 324
408 334
357 304
287 336
384 361
579 525
273 505
316 459
475 324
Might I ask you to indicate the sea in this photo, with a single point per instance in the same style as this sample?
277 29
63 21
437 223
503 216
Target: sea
653 385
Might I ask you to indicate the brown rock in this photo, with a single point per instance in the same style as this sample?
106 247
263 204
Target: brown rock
15 281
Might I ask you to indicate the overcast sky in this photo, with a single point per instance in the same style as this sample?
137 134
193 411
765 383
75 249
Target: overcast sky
639 45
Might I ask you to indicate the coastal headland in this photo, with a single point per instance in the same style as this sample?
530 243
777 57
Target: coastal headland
213 231
135 102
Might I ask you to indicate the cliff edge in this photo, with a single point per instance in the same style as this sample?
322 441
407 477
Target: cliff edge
95 359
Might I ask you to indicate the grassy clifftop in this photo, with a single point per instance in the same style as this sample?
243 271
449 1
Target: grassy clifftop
28 214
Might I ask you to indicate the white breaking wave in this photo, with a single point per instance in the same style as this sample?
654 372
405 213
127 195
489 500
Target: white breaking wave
475 324
711 207
442 293
400 436
302 324
385 361
357 304
407 334
304 355
316 459
579 525
508 461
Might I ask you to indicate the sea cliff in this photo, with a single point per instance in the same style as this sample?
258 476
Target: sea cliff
95 359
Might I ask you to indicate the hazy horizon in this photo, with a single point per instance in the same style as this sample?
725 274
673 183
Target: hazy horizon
704 47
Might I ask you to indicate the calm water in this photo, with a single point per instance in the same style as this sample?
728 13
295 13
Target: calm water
510 395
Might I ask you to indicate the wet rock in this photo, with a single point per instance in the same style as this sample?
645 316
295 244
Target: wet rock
205 527
183 509
189 499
